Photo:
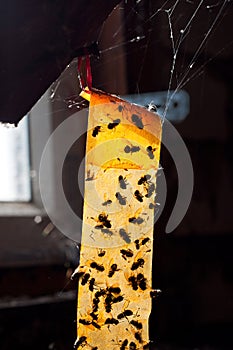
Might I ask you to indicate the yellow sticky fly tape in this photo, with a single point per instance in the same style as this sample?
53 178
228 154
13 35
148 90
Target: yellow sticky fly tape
122 158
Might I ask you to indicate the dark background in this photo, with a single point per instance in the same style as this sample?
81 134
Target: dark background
192 265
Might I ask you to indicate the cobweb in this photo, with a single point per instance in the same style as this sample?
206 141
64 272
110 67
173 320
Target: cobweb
151 46
148 45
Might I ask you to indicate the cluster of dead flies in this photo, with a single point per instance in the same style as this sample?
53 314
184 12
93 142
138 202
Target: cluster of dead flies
133 149
137 121
105 224
136 282
114 268
82 341
132 345
113 295
144 181
147 184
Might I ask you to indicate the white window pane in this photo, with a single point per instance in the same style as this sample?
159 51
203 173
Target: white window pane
14 163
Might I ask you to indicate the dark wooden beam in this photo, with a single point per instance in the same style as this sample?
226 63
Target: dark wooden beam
38 38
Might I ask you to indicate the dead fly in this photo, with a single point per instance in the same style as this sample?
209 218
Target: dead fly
124 235
110 299
96 299
138 337
111 321
144 179
99 227
118 299
124 344
107 231
115 290
93 314
101 253
114 124
100 293
85 278
138 196
96 266
133 281
137 121
122 182
91 284
125 314
104 220
132 346
138 281
112 270
150 152
85 322
139 263
95 307
141 280
95 325
121 199
90 176
139 276
137 221
80 341
151 206
148 185
108 302
137 244
108 202
145 240
150 190
132 149
96 130
136 324
126 253
104 230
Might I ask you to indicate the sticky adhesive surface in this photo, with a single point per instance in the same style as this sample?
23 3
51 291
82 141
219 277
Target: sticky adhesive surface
122 157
